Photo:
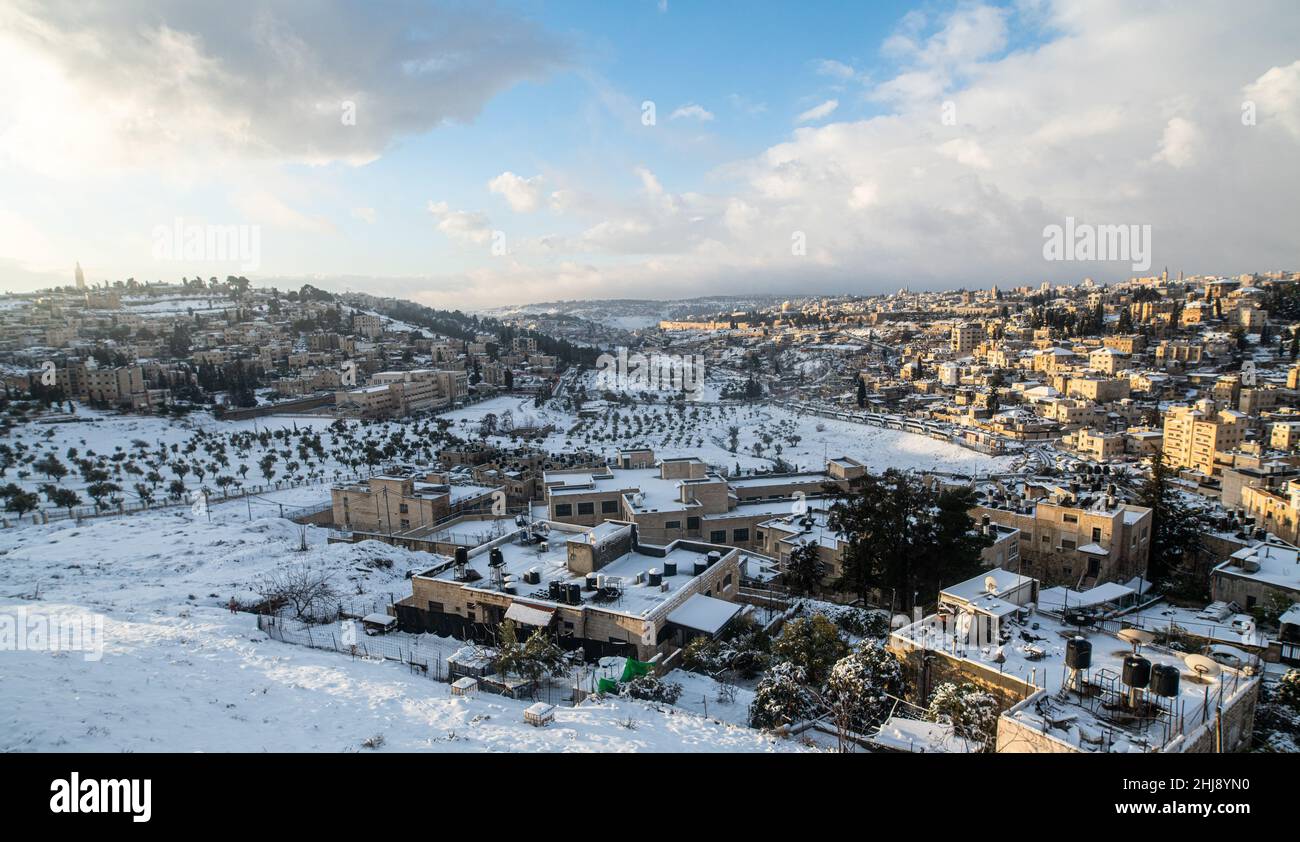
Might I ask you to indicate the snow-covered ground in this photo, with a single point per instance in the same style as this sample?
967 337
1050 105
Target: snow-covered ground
704 430
204 680
179 672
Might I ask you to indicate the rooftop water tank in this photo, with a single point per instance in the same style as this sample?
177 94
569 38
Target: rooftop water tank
1137 671
1164 680
1078 653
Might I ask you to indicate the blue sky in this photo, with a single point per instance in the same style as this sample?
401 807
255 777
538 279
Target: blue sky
499 153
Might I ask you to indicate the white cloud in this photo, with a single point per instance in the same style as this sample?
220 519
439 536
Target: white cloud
1178 143
366 215
835 69
692 111
818 112
1276 95
524 195
466 227
965 150
140 83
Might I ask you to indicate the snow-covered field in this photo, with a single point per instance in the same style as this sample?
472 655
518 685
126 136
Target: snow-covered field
179 672
704 430
159 460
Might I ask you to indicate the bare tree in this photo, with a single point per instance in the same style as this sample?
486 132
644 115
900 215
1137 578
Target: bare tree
306 591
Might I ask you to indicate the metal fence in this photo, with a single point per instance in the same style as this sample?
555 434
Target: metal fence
424 655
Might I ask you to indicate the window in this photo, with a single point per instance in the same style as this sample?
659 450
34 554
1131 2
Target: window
1047 539
609 507
1096 534
403 508
435 607
693 524
726 582
406 524
586 508
1070 518
672 524
564 510
1067 544
718 536
740 536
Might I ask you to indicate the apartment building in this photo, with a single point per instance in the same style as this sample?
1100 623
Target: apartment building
395 504
1097 446
1257 576
686 498
965 337
1072 536
1194 436
1068 699
598 588
368 325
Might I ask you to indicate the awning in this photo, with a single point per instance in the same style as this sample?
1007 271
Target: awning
704 614
529 615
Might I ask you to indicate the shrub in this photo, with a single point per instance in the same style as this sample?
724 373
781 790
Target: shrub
651 689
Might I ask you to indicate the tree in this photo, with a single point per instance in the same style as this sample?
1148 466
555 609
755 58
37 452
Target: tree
309 592
99 490
862 393
804 571
532 659
814 644
19 501
65 498
861 689
971 711
1176 529
51 467
905 537
782 697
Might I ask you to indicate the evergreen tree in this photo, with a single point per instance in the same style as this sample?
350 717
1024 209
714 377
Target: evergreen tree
904 538
1175 528
803 573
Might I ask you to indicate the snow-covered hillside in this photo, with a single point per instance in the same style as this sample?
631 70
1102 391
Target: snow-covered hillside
179 672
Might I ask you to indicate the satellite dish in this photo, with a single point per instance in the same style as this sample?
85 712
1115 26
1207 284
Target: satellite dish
1137 637
1231 653
991 584
1204 667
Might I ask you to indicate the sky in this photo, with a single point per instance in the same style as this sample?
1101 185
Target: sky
477 154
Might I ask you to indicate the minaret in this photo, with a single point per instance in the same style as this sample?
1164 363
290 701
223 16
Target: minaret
81 277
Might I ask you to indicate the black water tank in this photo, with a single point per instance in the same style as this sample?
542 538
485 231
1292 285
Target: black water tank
1164 680
554 591
496 557
1078 653
591 581
1137 671
462 555
575 593
670 568
714 557
701 566
656 578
